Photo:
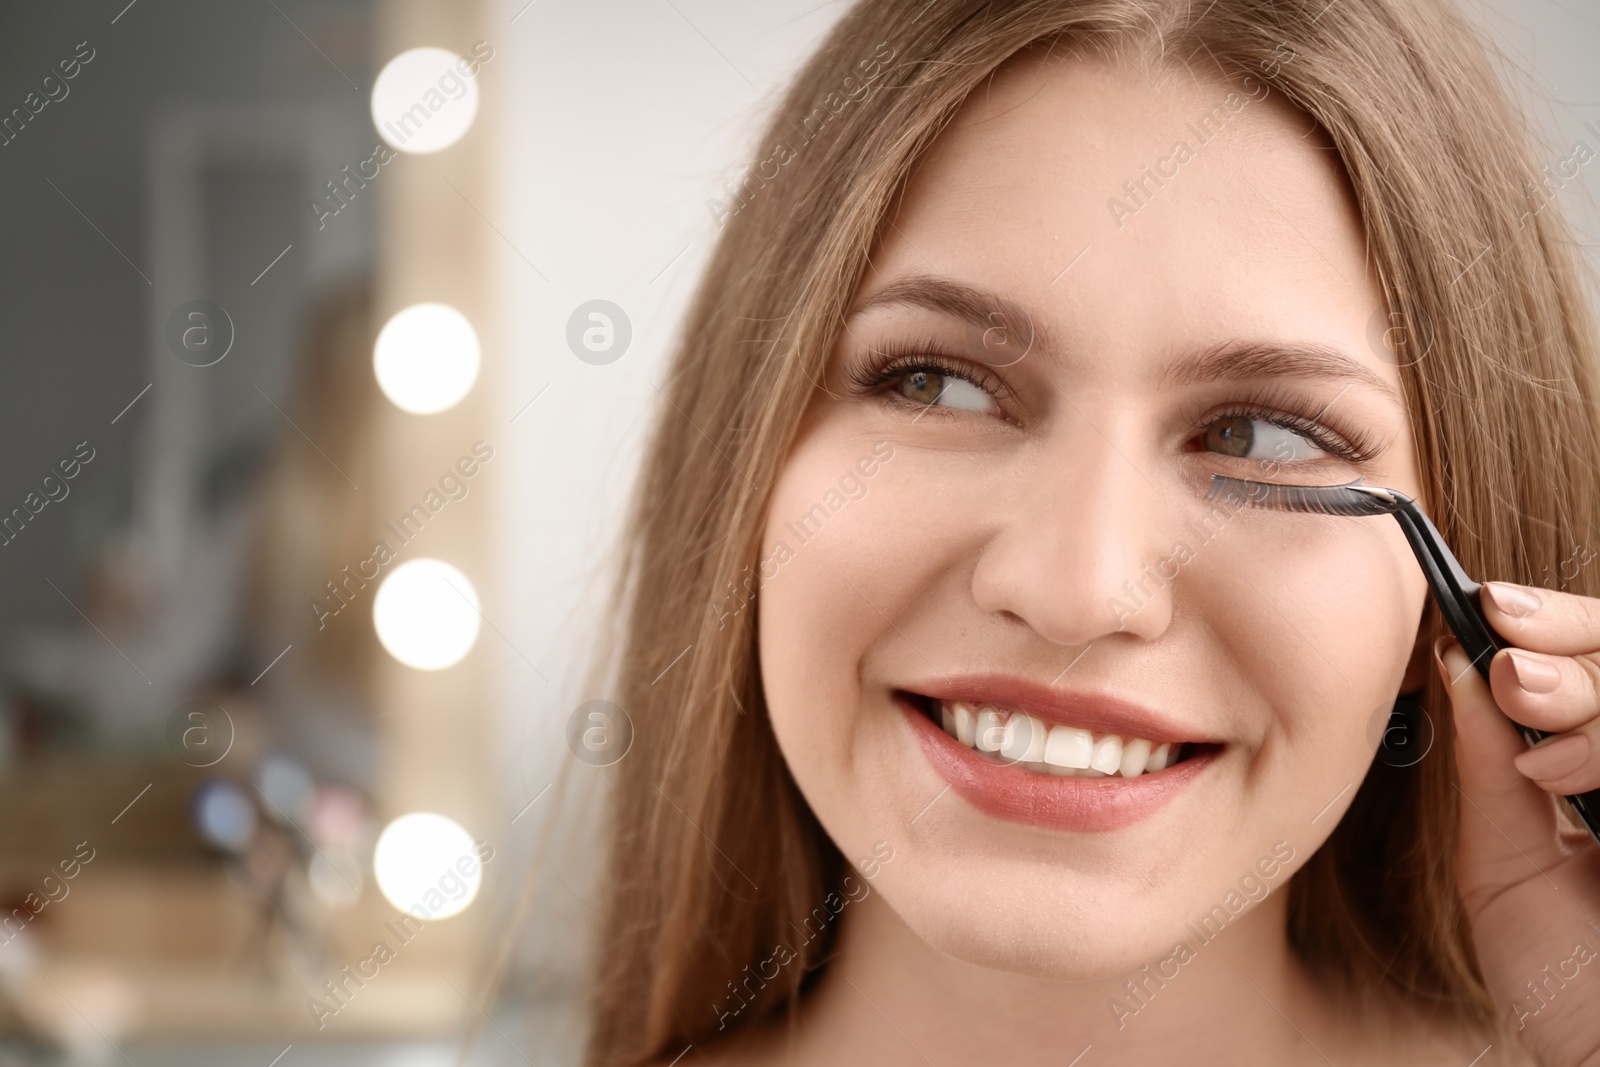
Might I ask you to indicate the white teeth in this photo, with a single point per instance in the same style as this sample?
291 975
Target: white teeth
1135 755
991 730
1107 754
1047 748
1024 739
1068 747
966 730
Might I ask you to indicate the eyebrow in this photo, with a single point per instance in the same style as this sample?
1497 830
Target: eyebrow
1222 362
977 307
1232 361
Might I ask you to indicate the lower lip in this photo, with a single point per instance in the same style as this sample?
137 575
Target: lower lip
1060 802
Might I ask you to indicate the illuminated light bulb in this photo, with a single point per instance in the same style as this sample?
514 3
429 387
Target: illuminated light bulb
427 865
426 614
424 100
426 358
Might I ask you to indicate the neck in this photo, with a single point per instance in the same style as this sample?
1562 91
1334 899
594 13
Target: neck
888 997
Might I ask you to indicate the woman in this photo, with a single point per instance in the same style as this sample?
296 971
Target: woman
1009 283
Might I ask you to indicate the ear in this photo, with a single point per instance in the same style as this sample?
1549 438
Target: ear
1420 665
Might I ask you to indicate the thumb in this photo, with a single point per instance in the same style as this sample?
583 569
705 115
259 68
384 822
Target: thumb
1509 826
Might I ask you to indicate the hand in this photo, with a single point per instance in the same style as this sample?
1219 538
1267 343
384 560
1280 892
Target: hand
1531 883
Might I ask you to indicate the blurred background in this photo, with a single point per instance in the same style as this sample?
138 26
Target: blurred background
332 330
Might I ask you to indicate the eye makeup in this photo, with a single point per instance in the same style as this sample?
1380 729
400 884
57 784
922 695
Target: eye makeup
1298 414
1454 592
900 357
1288 409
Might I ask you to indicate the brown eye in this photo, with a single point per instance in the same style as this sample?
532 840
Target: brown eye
925 387
1230 436
925 381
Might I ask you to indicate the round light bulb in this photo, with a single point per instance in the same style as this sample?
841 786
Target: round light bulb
426 358
426 614
427 865
425 99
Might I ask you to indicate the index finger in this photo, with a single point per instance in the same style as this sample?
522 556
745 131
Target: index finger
1542 620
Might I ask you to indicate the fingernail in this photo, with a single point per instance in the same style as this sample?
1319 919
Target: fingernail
1534 675
1554 758
1518 603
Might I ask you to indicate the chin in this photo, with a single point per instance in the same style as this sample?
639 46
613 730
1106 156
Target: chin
1034 939
1031 922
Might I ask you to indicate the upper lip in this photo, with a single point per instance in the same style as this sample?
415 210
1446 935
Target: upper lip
1099 712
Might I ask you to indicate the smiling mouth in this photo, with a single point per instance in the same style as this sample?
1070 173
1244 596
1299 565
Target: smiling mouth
1015 738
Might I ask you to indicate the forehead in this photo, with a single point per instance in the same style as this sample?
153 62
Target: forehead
1137 217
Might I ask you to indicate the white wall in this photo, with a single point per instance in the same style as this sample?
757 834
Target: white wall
1551 52
618 121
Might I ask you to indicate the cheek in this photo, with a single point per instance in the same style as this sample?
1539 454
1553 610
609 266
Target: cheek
833 568
836 571
1317 617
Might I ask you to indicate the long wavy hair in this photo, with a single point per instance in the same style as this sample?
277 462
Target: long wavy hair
712 851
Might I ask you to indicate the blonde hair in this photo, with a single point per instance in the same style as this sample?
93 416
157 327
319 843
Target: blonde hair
712 850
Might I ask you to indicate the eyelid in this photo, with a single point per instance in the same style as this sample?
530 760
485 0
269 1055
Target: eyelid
1283 406
880 364
1348 441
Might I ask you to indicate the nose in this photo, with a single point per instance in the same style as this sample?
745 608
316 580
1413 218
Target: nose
1083 550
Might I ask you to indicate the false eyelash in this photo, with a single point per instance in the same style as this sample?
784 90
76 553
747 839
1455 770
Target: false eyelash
899 357
1283 408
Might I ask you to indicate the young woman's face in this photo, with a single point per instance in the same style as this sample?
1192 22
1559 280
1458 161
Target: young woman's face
1095 295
